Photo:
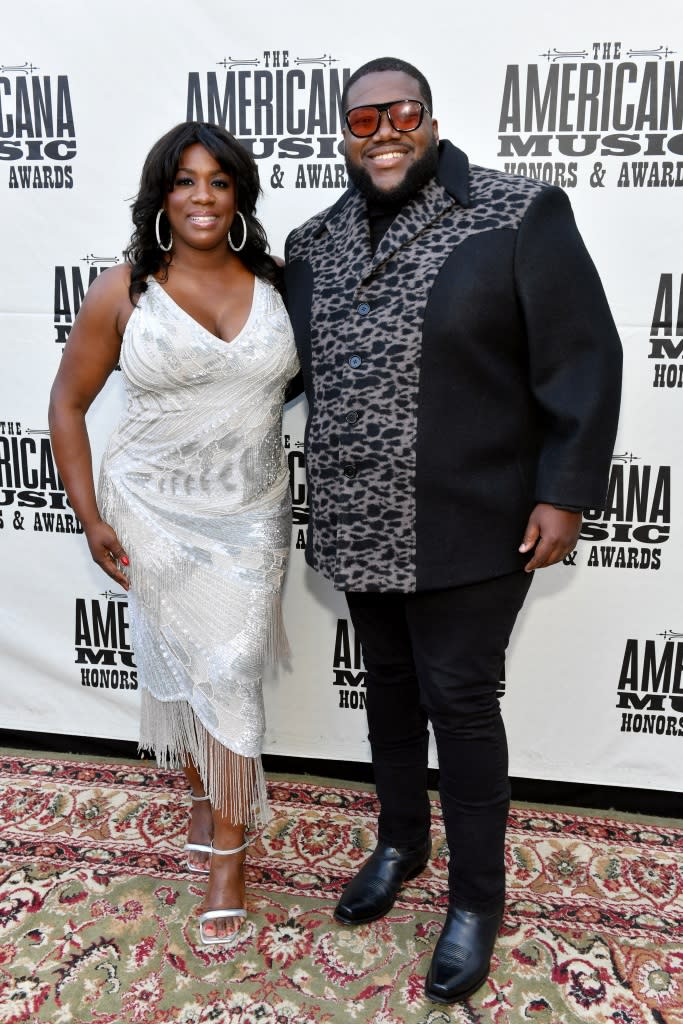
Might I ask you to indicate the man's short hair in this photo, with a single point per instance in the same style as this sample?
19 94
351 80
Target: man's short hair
389 64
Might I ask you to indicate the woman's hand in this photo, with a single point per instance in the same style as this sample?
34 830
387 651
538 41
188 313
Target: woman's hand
107 551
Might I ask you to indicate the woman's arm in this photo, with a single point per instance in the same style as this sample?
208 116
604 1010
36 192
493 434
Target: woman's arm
90 355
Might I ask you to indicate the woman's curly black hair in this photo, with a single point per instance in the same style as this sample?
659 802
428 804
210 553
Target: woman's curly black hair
156 180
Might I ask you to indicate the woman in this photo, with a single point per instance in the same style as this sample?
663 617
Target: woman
192 514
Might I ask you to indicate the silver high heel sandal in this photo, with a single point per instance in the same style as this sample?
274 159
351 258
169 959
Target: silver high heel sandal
197 847
218 915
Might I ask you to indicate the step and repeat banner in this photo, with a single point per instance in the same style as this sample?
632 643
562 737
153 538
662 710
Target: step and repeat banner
589 99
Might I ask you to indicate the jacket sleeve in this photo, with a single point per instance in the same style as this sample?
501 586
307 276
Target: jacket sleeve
575 356
298 300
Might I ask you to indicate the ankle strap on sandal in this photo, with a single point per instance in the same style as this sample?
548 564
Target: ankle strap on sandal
226 853
205 797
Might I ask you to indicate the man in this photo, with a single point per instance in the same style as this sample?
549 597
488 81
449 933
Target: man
462 371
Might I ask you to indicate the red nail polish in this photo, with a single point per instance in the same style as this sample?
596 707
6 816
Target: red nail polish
124 560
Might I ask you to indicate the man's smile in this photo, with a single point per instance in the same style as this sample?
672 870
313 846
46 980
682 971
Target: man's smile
385 156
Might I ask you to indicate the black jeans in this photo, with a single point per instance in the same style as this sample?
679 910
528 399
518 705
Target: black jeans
439 656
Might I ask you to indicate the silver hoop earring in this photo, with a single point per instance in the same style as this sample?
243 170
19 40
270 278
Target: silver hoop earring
164 248
238 248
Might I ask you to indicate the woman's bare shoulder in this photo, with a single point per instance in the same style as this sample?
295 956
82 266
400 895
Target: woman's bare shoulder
112 281
108 296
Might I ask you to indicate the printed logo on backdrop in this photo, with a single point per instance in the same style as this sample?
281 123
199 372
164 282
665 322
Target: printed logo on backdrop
285 109
650 689
32 495
70 286
502 685
296 462
635 524
348 670
666 334
607 113
101 643
37 128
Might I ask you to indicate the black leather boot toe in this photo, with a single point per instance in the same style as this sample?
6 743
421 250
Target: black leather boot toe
462 956
373 891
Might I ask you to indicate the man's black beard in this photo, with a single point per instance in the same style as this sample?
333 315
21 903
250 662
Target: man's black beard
417 175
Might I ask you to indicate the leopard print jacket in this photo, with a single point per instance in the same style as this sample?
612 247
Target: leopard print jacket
365 349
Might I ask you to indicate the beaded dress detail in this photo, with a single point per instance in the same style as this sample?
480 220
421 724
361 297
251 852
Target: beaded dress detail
194 482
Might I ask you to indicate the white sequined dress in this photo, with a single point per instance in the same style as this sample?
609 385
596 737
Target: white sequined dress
194 482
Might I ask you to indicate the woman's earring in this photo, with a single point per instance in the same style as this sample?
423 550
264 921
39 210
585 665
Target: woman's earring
164 248
238 248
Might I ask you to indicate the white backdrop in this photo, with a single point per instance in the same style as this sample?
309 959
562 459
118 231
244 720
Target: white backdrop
590 97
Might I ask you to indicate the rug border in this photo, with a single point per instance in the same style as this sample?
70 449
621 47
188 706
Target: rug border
325 782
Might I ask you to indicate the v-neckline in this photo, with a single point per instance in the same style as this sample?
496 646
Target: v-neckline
196 322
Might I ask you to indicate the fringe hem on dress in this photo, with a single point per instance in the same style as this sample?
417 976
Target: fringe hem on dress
235 784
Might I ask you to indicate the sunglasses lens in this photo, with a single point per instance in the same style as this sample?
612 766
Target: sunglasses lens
363 121
405 116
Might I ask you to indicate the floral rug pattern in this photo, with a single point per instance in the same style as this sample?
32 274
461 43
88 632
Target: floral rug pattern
97 917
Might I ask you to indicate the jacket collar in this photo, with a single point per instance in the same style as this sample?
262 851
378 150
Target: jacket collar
454 172
347 221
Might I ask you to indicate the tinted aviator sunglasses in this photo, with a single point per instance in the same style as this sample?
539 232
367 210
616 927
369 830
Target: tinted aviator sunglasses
403 115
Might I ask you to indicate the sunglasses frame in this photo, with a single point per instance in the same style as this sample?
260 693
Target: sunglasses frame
381 108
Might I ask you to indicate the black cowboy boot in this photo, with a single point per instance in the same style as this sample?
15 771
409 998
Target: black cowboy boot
373 891
461 960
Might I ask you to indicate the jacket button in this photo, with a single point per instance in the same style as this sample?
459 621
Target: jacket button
363 309
349 470
352 417
355 362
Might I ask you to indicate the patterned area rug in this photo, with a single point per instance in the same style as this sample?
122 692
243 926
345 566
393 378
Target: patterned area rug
97 925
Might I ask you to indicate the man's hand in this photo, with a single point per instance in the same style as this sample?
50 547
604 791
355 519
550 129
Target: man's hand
553 531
